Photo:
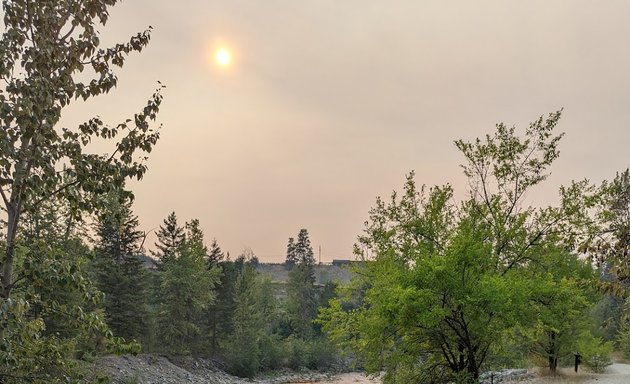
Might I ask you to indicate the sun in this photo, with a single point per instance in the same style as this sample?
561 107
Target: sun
223 57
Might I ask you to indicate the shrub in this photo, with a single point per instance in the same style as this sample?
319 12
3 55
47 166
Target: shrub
623 342
322 354
274 353
595 352
298 353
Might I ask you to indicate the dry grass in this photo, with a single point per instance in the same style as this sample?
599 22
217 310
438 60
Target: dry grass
562 376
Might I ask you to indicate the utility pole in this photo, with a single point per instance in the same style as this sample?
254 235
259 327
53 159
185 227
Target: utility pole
320 254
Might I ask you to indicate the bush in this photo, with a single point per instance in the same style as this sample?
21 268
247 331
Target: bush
595 352
322 354
297 353
623 342
274 353
243 357
316 354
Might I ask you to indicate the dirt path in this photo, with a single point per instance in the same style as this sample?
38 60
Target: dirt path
615 374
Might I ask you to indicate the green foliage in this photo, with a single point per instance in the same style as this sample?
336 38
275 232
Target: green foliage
221 311
186 291
291 259
559 305
607 314
244 352
300 251
447 282
274 352
170 237
316 353
49 58
48 323
44 49
120 274
594 351
303 250
623 342
302 298
215 255
28 357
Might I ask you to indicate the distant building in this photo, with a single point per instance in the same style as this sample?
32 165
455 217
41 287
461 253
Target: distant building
341 262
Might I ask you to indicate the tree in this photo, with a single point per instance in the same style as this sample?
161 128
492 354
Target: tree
291 259
301 291
186 292
49 58
609 244
121 275
609 247
170 237
215 255
244 353
54 316
560 300
221 311
303 249
447 281
46 45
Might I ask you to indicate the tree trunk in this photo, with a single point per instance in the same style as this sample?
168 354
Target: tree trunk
552 353
7 263
553 363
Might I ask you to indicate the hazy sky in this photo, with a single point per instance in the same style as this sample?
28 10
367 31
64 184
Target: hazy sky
329 104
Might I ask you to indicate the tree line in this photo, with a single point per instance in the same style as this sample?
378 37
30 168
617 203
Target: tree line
199 302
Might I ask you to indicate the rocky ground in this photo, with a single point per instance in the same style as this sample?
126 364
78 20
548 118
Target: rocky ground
152 369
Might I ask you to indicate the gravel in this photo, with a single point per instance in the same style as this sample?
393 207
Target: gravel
153 369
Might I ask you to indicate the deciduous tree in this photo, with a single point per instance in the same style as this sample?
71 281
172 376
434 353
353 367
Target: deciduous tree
447 279
50 56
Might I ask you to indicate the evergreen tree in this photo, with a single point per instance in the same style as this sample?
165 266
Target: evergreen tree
170 236
186 292
301 290
303 250
215 255
291 255
120 273
220 313
244 352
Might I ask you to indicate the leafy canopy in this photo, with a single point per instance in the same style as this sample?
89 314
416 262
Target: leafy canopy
446 280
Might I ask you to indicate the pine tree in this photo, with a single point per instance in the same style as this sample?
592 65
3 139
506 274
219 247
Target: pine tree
186 292
244 352
291 255
220 313
303 250
170 237
120 273
301 291
215 255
